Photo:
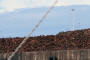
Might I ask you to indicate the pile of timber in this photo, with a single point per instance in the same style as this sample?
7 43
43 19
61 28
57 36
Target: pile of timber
70 40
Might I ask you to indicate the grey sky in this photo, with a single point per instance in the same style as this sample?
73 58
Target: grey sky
12 5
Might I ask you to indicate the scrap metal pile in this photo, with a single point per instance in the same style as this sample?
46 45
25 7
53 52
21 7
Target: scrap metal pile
70 40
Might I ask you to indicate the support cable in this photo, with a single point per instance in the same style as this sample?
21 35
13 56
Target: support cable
36 26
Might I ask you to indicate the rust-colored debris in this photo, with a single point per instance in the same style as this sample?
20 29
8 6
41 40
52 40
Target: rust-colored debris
70 40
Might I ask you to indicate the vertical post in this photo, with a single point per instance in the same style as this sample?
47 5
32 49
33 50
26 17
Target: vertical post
58 55
43 55
19 57
73 55
73 25
35 56
89 54
25 56
68 55
78 55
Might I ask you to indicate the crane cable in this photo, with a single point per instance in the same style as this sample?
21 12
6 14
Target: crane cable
37 25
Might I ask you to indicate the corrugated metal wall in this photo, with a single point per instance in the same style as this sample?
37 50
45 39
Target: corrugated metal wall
51 55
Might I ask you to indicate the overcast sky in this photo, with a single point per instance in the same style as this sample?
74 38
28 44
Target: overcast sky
17 16
12 5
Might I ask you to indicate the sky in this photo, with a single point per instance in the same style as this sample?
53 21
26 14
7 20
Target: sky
18 17
13 5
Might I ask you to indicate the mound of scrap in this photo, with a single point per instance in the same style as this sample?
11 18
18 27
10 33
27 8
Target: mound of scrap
70 40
